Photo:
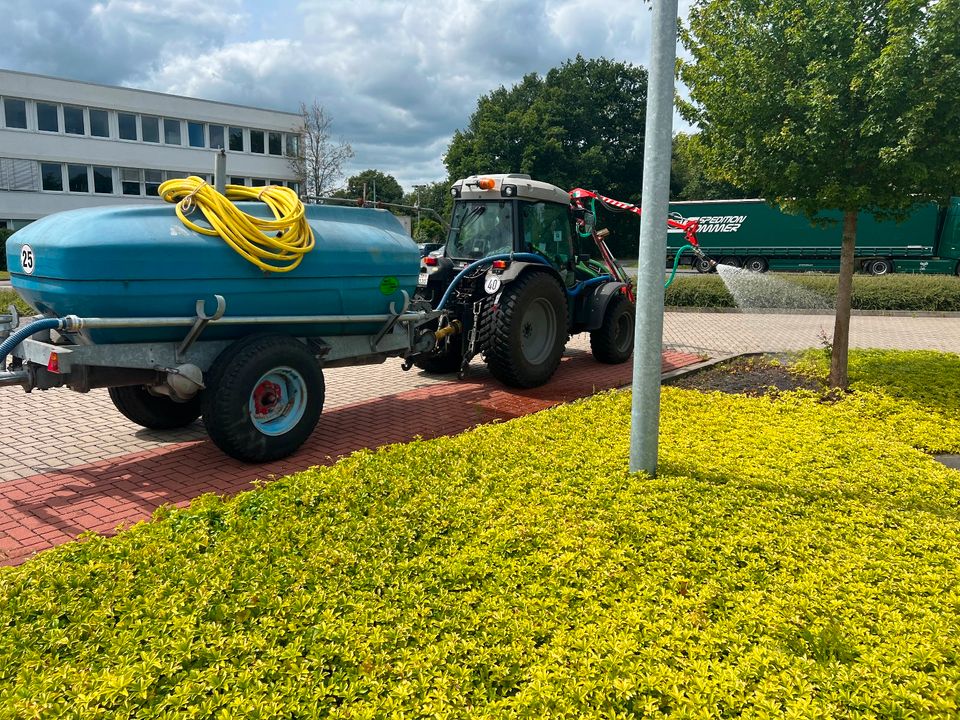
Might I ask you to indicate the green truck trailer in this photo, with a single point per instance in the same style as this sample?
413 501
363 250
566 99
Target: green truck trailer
757 236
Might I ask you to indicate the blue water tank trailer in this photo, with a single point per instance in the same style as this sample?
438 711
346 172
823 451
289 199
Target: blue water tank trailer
141 261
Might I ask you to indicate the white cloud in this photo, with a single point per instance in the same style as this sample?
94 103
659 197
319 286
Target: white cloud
397 77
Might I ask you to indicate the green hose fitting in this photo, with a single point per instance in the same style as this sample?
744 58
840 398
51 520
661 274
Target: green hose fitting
676 264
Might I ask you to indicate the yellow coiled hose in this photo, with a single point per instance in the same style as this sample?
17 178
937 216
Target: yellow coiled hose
245 233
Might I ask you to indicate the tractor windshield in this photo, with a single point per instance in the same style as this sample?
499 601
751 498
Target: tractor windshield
480 229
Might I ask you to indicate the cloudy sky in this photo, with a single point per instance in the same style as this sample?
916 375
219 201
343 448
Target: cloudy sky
397 77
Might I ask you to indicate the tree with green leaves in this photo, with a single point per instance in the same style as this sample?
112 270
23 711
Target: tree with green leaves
690 179
829 104
378 186
580 125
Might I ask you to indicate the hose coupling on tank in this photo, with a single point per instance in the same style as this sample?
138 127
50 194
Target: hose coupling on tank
453 328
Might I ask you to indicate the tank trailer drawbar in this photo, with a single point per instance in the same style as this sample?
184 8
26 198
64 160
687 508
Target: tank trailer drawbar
120 309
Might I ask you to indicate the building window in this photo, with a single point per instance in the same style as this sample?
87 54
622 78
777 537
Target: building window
150 126
130 181
216 136
195 134
276 143
48 117
103 180
51 175
151 181
79 182
15 113
238 181
99 123
17 174
293 185
236 139
127 125
73 120
257 182
293 145
256 141
171 132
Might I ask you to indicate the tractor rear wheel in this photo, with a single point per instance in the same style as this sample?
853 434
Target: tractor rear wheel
612 342
528 331
264 397
156 412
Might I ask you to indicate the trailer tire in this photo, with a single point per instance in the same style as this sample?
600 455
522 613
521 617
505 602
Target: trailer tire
528 331
155 412
731 261
756 264
880 267
263 399
612 342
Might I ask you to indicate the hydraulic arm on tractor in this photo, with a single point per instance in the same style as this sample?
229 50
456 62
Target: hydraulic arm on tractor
580 199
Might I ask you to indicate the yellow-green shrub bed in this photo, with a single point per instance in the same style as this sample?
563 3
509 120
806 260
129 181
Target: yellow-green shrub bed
794 558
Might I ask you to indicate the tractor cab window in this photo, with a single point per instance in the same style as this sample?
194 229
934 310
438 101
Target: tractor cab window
546 229
481 229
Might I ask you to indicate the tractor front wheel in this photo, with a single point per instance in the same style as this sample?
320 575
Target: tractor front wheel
528 331
612 342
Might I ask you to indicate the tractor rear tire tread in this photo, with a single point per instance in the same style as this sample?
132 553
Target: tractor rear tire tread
503 353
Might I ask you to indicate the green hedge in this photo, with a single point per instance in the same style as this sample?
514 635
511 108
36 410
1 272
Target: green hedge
890 292
8 296
794 558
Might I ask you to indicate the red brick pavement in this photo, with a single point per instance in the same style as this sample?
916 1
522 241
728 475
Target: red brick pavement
44 510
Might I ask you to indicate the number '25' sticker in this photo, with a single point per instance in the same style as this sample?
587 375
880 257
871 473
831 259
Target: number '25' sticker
26 259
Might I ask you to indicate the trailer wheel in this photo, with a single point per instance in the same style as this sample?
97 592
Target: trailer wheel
731 261
156 412
528 331
880 267
612 342
756 264
263 399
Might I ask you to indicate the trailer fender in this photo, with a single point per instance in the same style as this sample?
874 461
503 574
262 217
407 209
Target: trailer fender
598 302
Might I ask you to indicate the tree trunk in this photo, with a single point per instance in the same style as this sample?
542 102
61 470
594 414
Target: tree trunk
841 328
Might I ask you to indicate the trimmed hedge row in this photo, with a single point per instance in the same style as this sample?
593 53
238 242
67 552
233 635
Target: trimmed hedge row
890 292
794 558
8 296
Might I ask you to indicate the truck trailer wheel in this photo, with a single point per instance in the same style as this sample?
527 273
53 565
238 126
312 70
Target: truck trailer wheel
263 399
528 331
612 342
880 267
756 264
156 412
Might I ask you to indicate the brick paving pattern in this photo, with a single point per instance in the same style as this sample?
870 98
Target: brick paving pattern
103 471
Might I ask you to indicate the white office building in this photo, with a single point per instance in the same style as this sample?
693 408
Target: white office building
67 144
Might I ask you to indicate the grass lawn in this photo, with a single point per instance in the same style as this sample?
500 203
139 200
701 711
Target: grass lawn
795 557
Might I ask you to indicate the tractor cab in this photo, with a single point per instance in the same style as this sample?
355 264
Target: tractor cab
500 215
